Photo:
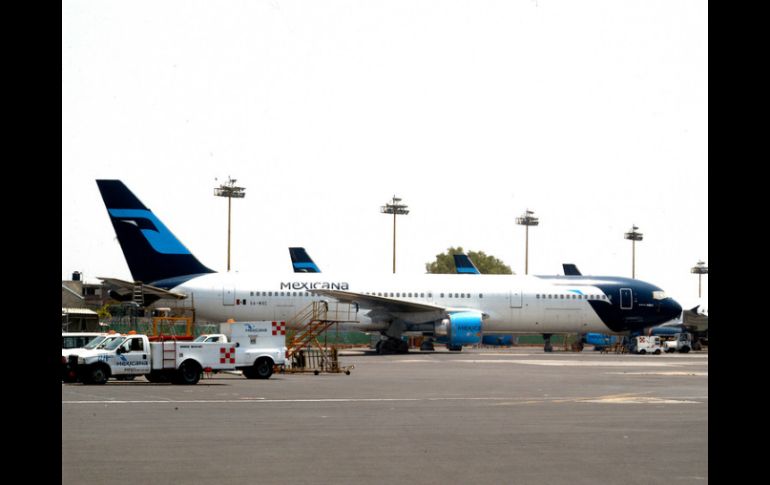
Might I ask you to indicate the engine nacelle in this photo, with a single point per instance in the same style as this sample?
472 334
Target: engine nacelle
461 328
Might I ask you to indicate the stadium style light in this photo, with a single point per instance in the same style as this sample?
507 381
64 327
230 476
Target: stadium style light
700 269
527 219
394 207
229 190
633 235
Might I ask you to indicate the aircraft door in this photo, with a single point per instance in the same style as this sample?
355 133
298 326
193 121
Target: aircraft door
626 299
228 296
515 298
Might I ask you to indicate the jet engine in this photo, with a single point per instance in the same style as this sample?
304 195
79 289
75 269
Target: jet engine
460 328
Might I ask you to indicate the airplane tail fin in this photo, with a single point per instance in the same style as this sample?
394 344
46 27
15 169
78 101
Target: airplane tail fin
152 252
464 265
571 270
302 262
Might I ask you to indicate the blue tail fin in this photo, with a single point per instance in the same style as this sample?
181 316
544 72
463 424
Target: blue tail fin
302 262
464 265
152 252
571 270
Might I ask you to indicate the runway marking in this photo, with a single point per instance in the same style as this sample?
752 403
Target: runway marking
662 373
264 400
611 399
575 363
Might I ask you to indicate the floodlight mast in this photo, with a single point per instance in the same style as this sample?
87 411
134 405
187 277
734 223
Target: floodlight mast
633 235
229 190
527 219
394 207
700 269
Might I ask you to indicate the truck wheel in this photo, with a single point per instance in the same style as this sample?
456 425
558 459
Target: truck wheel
98 375
657 352
263 368
189 373
685 349
642 352
249 373
125 378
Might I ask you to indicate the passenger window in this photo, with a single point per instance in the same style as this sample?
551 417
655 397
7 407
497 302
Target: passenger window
481 295
442 295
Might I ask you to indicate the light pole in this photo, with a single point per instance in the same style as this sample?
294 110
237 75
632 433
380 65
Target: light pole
527 219
700 269
229 190
634 236
394 207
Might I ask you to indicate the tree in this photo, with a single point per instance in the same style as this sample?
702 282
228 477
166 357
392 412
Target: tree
486 263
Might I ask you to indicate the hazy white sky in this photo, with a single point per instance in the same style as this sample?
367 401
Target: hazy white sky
592 113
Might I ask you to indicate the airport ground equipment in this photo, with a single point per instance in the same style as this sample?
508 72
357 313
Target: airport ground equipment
305 352
679 342
251 348
644 344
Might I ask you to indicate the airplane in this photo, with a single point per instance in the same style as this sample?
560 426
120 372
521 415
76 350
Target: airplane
460 309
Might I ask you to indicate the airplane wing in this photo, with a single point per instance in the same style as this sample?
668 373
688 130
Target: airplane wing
125 288
393 305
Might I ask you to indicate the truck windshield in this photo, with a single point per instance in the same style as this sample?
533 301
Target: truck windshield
95 342
115 343
201 338
107 341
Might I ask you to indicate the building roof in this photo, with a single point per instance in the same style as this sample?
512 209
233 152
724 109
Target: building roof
77 311
70 290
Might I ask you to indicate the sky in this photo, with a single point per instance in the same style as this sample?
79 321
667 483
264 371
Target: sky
594 114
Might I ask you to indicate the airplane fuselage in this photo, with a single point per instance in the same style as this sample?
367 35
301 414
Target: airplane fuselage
510 303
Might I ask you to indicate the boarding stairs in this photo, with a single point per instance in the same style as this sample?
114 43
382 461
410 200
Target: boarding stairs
304 349
316 318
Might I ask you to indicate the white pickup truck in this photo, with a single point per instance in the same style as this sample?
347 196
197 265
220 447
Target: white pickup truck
252 347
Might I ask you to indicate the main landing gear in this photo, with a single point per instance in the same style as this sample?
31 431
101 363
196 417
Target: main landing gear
547 347
392 346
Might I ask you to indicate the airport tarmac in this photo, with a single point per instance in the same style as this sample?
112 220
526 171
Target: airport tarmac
484 416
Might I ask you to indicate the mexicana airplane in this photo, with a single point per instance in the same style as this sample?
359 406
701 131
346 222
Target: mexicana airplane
458 308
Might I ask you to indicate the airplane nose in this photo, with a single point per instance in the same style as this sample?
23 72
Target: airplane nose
673 309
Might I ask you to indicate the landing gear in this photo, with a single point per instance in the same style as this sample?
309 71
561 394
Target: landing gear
454 348
547 347
392 346
427 345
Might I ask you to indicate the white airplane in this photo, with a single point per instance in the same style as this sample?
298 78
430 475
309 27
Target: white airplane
454 308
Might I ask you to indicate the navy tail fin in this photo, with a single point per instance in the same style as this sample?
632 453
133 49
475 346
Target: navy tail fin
152 252
464 265
571 270
302 262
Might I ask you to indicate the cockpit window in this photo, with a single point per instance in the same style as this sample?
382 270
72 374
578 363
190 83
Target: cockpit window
659 295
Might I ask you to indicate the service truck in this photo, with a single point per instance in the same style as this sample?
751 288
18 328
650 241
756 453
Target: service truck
644 344
681 342
253 347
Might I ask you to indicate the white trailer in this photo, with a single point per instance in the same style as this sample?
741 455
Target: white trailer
260 346
646 344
